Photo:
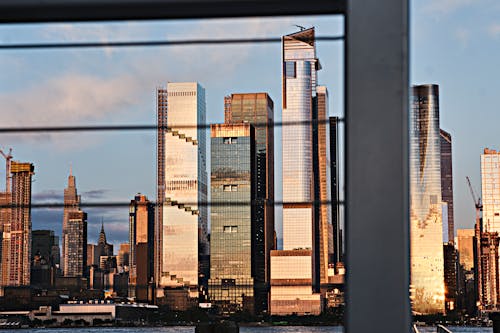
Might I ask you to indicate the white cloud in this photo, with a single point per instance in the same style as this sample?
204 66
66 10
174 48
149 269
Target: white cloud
494 30
447 6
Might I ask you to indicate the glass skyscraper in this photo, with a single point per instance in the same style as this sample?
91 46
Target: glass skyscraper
426 245
233 188
182 186
258 109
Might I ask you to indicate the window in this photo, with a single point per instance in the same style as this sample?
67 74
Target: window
230 228
229 141
230 188
290 70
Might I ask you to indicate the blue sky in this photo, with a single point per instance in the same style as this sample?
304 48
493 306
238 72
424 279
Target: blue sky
454 43
117 86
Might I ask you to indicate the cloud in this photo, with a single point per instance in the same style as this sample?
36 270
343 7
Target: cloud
444 7
94 194
48 195
494 30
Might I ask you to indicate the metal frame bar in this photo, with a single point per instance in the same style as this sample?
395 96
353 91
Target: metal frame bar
377 177
377 171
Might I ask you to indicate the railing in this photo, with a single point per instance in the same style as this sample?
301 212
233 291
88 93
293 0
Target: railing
441 329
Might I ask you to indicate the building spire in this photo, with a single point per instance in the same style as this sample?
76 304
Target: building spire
102 234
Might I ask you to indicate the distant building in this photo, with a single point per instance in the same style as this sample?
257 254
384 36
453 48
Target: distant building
71 204
103 248
91 255
447 182
337 251
182 188
75 244
257 109
450 276
465 240
426 225
43 258
490 297
122 259
490 189
141 240
233 176
16 239
466 290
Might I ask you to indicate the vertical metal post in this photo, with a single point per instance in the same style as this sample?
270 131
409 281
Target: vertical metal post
377 175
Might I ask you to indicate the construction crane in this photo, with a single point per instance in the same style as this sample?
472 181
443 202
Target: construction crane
477 202
8 158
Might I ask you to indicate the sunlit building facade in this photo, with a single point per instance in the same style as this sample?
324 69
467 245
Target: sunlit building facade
426 245
141 240
258 109
232 181
465 245
447 184
300 224
71 204
75 244
490 189
182 186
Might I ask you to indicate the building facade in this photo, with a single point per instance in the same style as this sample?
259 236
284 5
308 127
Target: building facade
182 187
337 250
75 244
233 218
257 109
490 190
141 240
300 224
426 244
447 183
489 293
71 204
16 241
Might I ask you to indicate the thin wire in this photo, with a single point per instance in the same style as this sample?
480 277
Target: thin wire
95 128
119 204
184 42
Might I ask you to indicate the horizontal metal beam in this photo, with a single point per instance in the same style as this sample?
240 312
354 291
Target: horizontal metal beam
32 11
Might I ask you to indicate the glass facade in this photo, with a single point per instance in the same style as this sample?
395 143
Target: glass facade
447 184
257 109
232 182
426 245
184 220
75 244
490 190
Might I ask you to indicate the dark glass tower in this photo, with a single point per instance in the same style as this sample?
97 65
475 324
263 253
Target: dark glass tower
257 109
232 246
447 181
334 173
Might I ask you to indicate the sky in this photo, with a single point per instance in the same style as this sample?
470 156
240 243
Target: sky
117 86
453 43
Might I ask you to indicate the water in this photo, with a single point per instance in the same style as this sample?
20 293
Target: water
274 329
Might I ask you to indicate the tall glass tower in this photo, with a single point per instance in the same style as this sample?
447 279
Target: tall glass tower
426 246
182 186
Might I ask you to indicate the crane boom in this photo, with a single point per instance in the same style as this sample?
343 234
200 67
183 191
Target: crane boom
8 158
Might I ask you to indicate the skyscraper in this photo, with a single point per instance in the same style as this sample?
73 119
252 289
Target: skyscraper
465 239
141 240
75 244
182 187
71 204
322 186
300 228
258 110
16 242
233 181
334 192
447 181
426 245
490 190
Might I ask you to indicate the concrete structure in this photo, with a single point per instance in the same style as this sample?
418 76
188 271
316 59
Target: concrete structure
258 110
75 260
426 246
141 240
291 280
16 238
71 204
182 187
447 181
233 257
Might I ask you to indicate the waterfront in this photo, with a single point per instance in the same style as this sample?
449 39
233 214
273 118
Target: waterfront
273 329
